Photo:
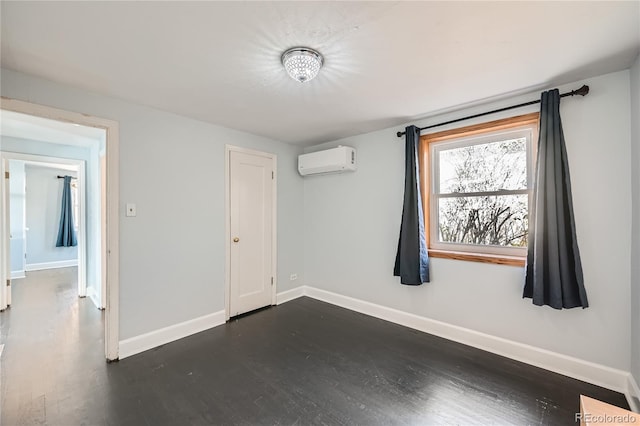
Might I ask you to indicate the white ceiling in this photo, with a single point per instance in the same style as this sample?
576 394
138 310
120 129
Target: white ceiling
386 63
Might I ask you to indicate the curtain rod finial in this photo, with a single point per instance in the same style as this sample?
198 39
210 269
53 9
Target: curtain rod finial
399 134
583 91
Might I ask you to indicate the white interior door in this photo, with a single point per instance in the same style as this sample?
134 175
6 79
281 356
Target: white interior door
251 231
6 246
103 231
18 230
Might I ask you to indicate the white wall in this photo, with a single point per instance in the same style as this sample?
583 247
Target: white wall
43 204
635 242
16 217
172 254
352 223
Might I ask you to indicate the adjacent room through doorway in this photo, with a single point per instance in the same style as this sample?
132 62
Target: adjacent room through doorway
39 155
40 216
54 241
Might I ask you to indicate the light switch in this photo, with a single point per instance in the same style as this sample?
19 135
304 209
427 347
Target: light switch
131 209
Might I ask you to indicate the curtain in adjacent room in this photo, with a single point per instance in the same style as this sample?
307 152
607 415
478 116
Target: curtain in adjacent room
554 271
412 259
66 231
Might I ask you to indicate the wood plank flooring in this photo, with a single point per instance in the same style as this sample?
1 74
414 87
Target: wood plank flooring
304 362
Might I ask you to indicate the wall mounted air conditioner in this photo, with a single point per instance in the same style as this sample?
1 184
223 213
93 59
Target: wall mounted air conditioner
334 160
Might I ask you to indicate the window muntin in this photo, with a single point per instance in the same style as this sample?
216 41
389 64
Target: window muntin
479 182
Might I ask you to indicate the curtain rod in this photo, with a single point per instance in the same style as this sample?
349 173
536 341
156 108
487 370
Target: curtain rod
581 91
62 177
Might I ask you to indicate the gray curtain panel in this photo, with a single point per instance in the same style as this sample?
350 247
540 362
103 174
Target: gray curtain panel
554 271
412 258
66 231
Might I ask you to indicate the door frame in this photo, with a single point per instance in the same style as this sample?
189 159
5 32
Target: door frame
112 285
5 243
227 214
79 165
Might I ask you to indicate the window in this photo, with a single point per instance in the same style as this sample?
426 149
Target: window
476 185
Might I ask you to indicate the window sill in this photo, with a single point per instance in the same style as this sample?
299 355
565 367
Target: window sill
479 257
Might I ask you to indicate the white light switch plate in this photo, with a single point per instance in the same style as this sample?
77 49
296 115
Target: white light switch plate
131 209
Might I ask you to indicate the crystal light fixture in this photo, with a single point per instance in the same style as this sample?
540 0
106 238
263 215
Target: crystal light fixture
302 63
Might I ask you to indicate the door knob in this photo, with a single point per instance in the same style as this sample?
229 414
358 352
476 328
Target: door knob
236 239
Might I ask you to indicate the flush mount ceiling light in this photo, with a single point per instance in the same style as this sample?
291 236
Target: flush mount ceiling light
302 63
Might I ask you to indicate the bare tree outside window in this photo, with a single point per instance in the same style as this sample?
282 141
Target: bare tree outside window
477 203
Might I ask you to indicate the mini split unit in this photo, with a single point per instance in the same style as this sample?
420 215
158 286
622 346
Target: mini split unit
335 160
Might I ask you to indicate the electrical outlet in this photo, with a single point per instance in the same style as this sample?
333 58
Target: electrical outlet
293 277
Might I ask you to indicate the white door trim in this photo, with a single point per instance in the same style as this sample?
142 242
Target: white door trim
227 214
112 312
79 166
5 262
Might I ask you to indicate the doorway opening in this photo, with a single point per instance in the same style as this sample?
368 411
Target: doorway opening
34 218
49 142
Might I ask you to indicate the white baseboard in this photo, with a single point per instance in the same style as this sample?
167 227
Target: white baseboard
587 371
144 342
17 274
633 393
285 296
51 265
597 374
138 344
93 295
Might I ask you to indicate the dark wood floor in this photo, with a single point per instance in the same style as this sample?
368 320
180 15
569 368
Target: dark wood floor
304 362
